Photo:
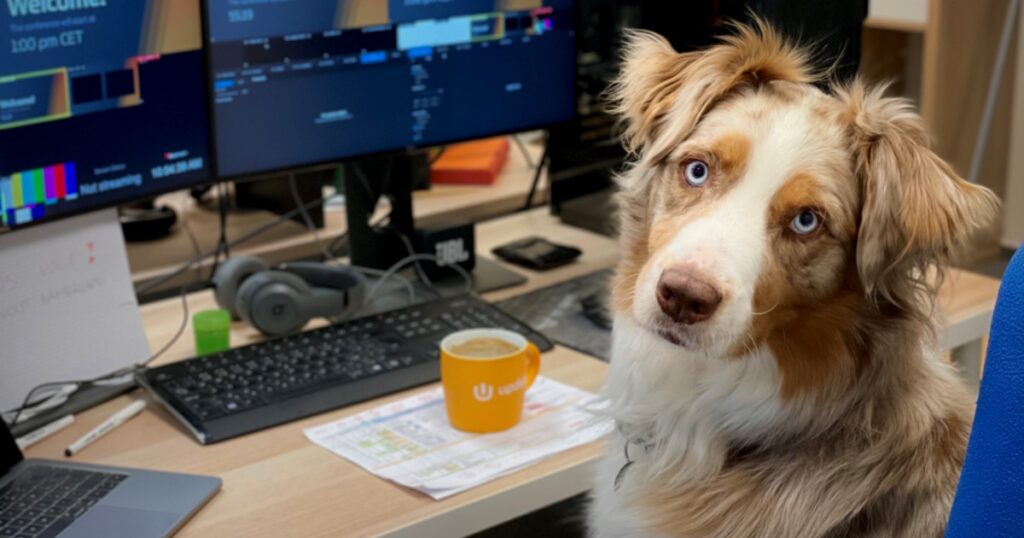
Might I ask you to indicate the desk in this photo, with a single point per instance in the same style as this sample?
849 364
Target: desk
278 483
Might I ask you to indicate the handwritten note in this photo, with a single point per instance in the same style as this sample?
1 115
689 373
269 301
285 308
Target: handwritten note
67 307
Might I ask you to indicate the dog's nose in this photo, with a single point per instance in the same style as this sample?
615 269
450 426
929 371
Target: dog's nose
686 296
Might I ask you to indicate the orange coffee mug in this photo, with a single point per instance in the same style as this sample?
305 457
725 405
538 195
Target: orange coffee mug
484 389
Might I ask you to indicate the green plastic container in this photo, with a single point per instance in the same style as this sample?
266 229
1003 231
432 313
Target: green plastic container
212 329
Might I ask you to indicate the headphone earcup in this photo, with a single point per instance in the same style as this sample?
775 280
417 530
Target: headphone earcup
340 291
274 302
229 277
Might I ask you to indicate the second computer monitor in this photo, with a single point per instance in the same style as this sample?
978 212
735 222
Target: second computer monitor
101 103
297 83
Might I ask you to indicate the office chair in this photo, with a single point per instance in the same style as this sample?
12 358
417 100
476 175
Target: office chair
991 492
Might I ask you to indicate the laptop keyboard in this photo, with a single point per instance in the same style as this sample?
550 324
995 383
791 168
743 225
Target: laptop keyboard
42 501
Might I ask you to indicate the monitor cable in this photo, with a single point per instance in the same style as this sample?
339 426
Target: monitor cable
537 171
58 391
329 254
170 275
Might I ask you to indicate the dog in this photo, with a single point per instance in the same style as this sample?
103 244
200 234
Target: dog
775 371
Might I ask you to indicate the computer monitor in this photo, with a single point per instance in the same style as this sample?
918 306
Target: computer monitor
303 82
101 102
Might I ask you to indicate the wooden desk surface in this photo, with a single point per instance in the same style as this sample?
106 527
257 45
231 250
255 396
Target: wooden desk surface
278 483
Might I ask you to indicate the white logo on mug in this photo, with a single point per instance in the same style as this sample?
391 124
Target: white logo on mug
515 386
483 392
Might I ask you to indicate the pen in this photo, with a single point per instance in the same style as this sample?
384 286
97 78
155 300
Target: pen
39 434
115 420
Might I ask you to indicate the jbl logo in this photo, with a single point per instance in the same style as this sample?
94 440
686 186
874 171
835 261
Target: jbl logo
451 252
483 392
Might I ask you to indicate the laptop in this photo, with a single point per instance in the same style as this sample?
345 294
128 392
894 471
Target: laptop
44 499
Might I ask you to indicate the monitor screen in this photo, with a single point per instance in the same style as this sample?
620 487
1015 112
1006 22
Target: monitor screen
302 82
101 102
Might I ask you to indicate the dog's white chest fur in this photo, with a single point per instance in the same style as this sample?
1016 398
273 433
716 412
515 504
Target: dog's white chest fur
693 407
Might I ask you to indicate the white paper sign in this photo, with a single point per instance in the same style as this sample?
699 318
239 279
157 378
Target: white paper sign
67 307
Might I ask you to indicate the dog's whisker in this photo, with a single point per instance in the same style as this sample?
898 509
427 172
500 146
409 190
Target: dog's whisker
776 305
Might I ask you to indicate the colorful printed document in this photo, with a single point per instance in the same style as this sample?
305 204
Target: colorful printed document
411 442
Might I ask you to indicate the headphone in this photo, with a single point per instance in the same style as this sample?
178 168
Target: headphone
282 300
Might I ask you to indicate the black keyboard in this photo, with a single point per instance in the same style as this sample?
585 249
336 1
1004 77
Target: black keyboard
262 385
42 501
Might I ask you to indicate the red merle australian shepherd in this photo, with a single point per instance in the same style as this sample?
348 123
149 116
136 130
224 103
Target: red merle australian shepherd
774 369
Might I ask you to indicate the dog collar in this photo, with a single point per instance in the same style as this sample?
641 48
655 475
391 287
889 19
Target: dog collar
642 443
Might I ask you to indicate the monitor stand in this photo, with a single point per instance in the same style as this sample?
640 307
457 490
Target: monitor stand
380 247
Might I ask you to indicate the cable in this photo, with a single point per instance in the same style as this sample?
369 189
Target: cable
536 179
297 198
196 249
419 269
415 257
222 241
437 156
382 274
30 402
522 149
177 335
243 239
328 255
223 210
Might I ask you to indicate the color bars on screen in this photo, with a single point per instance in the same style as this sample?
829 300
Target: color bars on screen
25 195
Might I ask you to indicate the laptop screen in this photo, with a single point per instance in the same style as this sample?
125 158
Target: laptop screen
10 455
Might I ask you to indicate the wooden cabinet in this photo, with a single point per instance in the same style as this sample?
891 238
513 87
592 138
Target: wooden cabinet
941 53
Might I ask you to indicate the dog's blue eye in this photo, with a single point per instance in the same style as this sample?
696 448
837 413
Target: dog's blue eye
696 173
806 222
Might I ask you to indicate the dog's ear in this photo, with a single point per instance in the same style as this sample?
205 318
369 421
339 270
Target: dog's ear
661 91
916 211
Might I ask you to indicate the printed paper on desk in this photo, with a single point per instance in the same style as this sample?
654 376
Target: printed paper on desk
411 442
67 306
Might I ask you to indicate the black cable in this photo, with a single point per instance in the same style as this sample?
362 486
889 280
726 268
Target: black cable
29 401
525 152
223 209
440 153
536 179
196 249
222 240
141 290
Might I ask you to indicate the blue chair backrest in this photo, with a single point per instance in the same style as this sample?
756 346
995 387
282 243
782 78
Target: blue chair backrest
990 498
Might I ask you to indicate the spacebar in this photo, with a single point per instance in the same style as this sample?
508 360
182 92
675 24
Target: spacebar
322 396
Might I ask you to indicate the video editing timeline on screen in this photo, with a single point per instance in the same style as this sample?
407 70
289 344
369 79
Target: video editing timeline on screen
341 78
100 101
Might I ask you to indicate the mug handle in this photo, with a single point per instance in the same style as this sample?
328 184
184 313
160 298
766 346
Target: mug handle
532 364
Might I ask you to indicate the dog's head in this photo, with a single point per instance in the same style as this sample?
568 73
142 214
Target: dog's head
761 211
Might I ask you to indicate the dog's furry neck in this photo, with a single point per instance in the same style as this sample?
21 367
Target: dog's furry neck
697 410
